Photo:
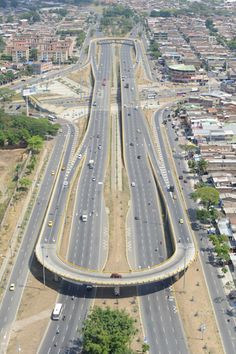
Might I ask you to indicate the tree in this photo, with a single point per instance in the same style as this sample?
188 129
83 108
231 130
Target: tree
24 183
10 19
6 94
209 23
6 57
221 247
107 332
35 143
209 196
3 3
2 138
12 137
192 166
14 3
2 44
203 215
188 147
224 270
145 347
80 38
34 54
202 166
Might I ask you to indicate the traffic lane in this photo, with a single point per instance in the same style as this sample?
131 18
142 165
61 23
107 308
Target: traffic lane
90 192
82 249
163 327
87 197
52 225
144 198
130 118
11 301
183 236
176 208
63 334
66 330
52 213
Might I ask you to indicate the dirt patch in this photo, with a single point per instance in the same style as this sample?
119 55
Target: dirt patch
81 124
140 76
82 76
195 309
118 207
117 203
34 312
19 199
7 168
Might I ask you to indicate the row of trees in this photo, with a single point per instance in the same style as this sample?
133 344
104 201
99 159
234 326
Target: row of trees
19 130
199 167
80 38
154 49
118 19
109 332
209 197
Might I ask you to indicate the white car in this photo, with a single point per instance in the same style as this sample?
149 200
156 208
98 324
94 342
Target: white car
79 156
12 287
132 184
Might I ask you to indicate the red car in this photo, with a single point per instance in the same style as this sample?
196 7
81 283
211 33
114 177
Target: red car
116 275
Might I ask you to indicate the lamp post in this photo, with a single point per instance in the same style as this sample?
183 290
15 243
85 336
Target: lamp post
185 248
44 278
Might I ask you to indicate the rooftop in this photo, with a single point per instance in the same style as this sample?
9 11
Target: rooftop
182 67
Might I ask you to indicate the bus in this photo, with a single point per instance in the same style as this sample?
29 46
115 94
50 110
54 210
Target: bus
56 312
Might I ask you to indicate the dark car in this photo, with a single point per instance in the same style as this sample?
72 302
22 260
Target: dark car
139 157
181 177
136 218
195 226
116 275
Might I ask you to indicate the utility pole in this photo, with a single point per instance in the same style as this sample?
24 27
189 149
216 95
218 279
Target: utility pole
185 248
44 278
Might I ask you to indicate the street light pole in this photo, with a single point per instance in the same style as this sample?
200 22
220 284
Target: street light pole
44 278
185 248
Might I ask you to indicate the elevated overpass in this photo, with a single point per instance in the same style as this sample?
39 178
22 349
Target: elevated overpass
184 253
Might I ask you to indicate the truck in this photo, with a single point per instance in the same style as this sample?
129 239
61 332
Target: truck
91 164
84 216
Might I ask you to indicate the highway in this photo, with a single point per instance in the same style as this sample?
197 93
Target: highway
20 271
182 241
84 261
162 326
75 298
